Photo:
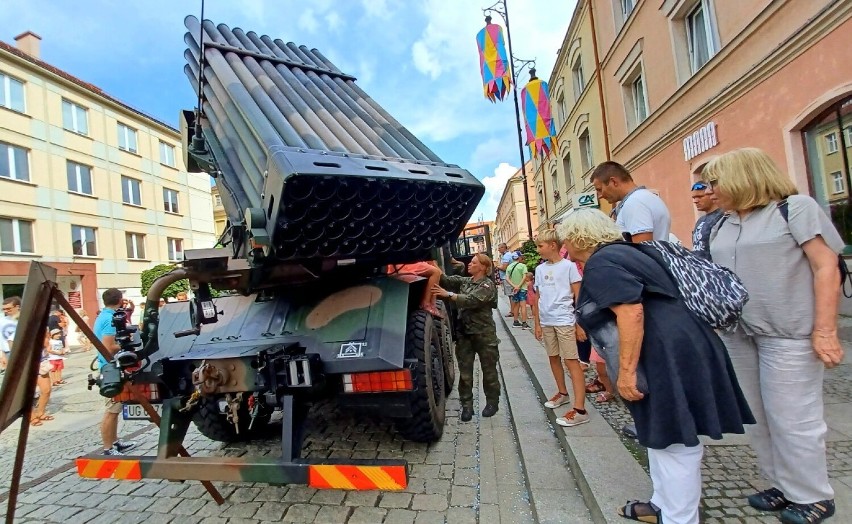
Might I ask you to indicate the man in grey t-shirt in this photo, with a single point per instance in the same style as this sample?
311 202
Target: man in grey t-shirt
640 214
702 197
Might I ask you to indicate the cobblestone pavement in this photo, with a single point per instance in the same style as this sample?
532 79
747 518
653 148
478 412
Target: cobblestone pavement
730 471
448 480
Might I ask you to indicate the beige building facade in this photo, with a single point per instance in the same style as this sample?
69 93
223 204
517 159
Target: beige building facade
220 218
688 79
510 225
562 181
87 183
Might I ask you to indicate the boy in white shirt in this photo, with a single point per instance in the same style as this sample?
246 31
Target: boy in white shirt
557 282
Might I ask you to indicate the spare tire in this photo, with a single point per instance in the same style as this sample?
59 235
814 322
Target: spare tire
428 399
214 425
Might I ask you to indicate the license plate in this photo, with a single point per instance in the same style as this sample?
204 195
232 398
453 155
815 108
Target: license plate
137 412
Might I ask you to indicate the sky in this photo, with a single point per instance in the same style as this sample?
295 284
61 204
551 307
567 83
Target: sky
416 58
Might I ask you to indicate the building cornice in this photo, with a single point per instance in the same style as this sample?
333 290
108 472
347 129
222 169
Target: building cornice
800 41
71 82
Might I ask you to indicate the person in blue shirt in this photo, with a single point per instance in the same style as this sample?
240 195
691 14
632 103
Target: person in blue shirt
105 332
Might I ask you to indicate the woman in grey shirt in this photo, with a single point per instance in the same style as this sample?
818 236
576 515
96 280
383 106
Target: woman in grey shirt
787 335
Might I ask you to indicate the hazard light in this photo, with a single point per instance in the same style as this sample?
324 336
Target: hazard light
377 381
149 391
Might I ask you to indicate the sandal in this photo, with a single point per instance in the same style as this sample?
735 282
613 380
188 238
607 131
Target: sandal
47 418
772 499
640 511
59 383
595 386
807 513
35 422
604 396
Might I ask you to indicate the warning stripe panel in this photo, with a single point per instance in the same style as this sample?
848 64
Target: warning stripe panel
387 478
109 469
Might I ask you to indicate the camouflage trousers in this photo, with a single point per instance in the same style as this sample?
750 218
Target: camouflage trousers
467 347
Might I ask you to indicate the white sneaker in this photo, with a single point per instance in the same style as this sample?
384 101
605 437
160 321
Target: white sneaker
572 418
557 400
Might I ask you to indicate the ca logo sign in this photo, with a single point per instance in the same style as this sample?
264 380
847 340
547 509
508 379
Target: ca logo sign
586 200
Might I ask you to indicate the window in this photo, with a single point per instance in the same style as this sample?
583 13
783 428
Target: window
586 151
566 168
540 200
11 93
16 236
554 183
170 201
130 191
848 136
217 201
14 162
126 138
837 179
167 154
83 241
699 36
175 246
579 80
79 178
135 245
626 8
640 106
75 118
831 143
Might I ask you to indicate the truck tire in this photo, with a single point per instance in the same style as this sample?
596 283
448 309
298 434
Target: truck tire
428 400
448 349
214 425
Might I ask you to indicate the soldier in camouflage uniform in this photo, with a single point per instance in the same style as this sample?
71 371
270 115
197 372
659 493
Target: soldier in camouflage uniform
475 297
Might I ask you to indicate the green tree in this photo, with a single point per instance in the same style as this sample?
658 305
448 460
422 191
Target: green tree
533 259
150 275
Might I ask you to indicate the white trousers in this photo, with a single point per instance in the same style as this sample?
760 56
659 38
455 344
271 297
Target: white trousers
782 381
676 476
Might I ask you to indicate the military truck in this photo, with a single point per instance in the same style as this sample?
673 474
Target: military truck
325 193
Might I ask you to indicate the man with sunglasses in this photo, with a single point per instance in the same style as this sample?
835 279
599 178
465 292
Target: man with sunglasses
702 197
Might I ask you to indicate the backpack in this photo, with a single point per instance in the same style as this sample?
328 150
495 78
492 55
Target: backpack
714 293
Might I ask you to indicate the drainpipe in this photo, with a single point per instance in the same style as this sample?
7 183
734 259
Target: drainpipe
599 79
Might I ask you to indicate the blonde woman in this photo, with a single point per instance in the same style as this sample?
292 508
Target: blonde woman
668 365
788 332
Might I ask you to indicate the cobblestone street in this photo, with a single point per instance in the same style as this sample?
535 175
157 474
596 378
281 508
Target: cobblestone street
474 474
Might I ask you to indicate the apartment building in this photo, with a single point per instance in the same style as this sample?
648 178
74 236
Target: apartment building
220 218
510 224
561 180
479 235
688 79
88 184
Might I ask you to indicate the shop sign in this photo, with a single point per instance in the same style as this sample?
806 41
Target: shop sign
700 141
585 200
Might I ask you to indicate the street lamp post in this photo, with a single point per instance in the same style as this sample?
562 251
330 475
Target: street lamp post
504 14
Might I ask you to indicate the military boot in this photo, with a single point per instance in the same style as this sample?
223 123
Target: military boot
467 413
490 409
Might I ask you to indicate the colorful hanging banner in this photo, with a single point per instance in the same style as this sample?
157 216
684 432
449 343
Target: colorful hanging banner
541 131
494 62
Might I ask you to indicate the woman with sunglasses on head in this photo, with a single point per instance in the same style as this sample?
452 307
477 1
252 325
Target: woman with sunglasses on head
785 249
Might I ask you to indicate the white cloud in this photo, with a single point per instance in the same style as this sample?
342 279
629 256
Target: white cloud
491 152
333 20
424 61
376 8
308 21
494 186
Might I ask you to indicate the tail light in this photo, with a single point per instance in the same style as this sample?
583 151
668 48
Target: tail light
149 391
377 381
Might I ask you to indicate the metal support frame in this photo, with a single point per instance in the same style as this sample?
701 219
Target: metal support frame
504 14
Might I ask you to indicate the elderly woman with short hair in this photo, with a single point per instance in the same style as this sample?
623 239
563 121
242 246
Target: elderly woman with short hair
784 248
668 365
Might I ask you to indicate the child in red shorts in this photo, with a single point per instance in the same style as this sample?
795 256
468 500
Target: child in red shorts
54 357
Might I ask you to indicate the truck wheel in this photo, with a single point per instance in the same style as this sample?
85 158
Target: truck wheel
448 351
428 400
214 425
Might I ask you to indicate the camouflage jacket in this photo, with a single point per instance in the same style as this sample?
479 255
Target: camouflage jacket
475 300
